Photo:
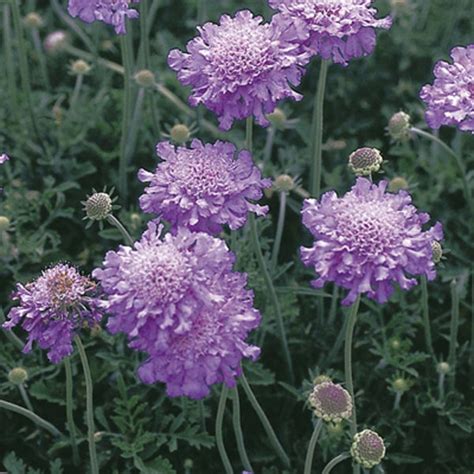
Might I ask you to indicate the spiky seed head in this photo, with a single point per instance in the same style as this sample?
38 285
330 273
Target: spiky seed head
145 78
278 118
33 20
80 67
4 223
397 183
18 376
365 161
399 127
284 183
98 206
437 250
180 133
368 448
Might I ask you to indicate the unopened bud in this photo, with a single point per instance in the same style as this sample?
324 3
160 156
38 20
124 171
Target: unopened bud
180 133
401 385
284 183
80 67
320 379
437 251
397 184
443 368
33 20
55 42
277 118
399 127
4 223
145 78
18 376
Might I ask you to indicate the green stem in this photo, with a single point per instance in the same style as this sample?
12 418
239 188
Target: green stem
453 335
41 57
219 435
144 39
267 151
312 445
24 69
25 397
239 436
32 416
265 422
333 463
10 65
111 219
135 123
317 131
348 366
279 232
69 411
127 110
458 160
89 406
426 316
263 268
76 91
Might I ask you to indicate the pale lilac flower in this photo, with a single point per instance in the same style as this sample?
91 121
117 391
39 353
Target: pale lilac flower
4 158
450 100
368 240
112 12
178 300
203 187
53 308
339 30
331 402
241 67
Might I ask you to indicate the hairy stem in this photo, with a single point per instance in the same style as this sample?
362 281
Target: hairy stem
334 462
312 446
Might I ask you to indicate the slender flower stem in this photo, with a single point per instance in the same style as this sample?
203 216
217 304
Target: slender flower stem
111 219
41 57
453 335
144 39
127 111
441 378
317 131
457 158
267 151
265 272
426 316
265 422
219 436
9 63
32 416
25 397
312 445
333 308
89 406
69 411
279 232
348 366
471 354
334 462
239 436
76 91
135 123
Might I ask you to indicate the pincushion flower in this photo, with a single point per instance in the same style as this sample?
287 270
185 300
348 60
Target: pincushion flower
338 30
178 300
331 402
241 66
368 240
203 187
450 100
53 308
112 12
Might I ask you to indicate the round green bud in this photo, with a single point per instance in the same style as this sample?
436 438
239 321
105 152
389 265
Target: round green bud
80 67
400 385
368 449
395 343
399 126
188 464
33 20
335 429
145 78
437 251
365 161
18 376
396 184
180 133
284 183
98 206
4 223
443 368
277 118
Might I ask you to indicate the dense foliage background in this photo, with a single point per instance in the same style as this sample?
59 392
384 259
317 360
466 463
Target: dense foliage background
140 427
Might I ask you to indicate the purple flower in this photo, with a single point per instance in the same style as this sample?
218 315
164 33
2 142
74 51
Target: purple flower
203 187
339 30
178 300
4 158
450 100
368 240
53 308
112 12
241 67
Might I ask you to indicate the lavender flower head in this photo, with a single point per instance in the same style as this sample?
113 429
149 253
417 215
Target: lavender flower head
339 30
112 12
4 158
53 308
203 187
450 100
368 240
179 301
241 67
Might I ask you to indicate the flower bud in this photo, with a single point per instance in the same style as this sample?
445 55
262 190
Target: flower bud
401 385
188 464
18 376
145 78
399 127
331 402
33 20
437 251
365 161
395 343
396 184
284 183
55 42
368 449
180 133
4 223
80 67
98 206
443 368
277 118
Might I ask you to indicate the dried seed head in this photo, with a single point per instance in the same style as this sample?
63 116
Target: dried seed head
18 376
145 78
180 133
368 448
284 183
278 119
4 223
396 184
365 161
33 20
331 402
437 250
399 127
80 67
98 206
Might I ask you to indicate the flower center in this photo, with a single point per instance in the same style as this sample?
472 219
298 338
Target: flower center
333 399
